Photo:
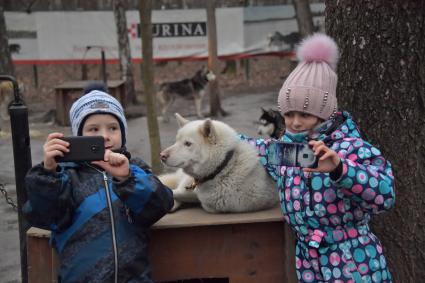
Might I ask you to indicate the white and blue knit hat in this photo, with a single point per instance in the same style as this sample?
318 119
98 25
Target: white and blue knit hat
96 102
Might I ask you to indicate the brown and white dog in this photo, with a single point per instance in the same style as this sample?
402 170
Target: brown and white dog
192 88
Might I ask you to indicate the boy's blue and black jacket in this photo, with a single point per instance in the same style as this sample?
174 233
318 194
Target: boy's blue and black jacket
72 203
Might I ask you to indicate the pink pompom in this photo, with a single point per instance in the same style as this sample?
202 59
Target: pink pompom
318 48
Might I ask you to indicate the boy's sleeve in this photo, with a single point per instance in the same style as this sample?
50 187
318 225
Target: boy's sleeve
146 197
367 178
261 145
50 203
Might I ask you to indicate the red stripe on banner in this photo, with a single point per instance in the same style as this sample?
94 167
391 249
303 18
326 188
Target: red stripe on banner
139 60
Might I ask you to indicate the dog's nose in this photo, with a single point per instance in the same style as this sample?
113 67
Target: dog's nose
163 156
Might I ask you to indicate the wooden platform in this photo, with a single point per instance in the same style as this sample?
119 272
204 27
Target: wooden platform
192 244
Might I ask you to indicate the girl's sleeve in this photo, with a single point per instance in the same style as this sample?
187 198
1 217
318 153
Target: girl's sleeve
261 145
50 203
367 177
144 195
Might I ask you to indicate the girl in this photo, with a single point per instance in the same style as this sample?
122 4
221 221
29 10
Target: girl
329 207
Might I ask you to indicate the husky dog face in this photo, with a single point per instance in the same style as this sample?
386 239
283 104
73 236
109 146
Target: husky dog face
198 143
271 123
210 76
204 75
207 74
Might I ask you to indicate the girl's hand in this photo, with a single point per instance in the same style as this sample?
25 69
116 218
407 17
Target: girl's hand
115 164
328 158
52 148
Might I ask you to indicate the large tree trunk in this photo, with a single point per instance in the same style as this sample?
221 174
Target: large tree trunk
124 51
382 82
304 17
145 11
215 104
6 64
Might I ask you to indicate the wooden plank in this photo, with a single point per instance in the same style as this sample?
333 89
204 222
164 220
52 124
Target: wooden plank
250 252
79 85
289 254
191 217
38 233
191 244
39 256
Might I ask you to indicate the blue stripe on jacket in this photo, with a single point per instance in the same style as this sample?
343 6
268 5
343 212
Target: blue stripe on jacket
142 190
92 205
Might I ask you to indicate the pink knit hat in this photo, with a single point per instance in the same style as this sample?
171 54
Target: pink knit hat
311 86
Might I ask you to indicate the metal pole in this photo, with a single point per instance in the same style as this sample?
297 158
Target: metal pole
103 61
35 71
102 52
22 158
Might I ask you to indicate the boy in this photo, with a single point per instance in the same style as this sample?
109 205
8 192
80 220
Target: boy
99 212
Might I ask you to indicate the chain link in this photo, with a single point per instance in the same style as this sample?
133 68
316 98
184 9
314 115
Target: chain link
8 199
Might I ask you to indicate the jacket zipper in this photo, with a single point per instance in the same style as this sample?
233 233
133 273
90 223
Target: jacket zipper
111 215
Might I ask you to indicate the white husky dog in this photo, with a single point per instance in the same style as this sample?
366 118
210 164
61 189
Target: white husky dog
220 171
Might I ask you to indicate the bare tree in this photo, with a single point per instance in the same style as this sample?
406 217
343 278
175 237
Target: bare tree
304 17
6 64
215 104
145 12
382 82
124 52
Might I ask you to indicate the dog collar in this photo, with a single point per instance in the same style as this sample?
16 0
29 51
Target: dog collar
223 164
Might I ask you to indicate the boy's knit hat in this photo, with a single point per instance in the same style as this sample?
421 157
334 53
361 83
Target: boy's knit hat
96 102
311 86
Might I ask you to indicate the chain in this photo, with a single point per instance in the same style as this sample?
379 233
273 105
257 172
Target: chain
8 199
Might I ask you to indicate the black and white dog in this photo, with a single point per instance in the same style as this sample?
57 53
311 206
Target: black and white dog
277 40
192 88
271 123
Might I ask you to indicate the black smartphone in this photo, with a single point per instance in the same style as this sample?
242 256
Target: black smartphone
291 155
83 148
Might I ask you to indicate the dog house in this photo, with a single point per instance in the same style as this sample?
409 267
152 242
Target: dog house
190 245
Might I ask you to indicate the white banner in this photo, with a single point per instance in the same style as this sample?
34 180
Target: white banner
43 37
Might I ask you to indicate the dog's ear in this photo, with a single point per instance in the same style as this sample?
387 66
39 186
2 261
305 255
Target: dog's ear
180 120
208 131
277 114
264 110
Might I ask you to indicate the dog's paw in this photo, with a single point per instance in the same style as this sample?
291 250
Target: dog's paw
176 206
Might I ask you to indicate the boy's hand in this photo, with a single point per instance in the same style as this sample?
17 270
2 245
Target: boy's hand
52 148
116 164
328 158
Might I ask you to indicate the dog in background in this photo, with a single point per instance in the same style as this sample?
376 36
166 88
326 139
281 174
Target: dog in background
192 88
271 124
278 40
217 169
6 98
